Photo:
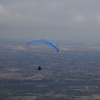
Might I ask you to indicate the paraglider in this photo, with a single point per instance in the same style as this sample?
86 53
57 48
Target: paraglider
46 42
39 67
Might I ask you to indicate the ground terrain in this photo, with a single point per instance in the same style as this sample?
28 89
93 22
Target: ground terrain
71 74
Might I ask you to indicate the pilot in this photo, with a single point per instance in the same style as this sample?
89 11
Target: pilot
39 67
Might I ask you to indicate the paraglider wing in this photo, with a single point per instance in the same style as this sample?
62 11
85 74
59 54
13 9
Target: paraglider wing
36 40
51 44
44 41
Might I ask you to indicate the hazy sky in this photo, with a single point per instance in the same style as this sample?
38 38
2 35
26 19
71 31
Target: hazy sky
71 20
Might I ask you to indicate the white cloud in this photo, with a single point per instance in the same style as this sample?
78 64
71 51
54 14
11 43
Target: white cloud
3 11
22 5
79 18
17 19
98 18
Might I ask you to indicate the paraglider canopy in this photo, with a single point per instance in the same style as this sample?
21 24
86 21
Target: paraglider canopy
44 41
